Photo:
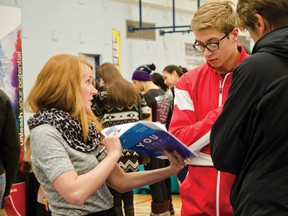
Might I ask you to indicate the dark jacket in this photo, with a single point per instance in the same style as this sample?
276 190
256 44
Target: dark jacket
250 137
9 141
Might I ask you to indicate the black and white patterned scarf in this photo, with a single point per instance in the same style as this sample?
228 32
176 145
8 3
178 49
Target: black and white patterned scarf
69 127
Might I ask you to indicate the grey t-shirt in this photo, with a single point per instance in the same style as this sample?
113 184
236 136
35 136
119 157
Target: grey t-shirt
54 157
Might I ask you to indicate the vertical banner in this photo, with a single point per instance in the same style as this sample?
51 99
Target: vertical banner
11 82
116 49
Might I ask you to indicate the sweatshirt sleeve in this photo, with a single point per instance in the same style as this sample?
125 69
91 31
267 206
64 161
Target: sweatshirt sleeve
184 124
10 143
232 130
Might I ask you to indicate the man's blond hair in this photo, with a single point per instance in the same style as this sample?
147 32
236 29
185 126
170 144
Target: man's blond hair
215 14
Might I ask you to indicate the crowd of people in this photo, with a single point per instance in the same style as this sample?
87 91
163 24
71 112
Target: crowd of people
231 111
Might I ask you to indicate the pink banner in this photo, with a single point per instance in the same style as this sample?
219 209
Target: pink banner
11 82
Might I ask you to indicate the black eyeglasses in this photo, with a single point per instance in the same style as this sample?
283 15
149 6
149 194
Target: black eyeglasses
210 46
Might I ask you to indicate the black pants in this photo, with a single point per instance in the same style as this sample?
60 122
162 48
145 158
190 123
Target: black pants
158 190
127 198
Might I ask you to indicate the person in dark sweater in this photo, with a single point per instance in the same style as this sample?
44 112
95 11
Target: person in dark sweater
118 102
9 147
250 137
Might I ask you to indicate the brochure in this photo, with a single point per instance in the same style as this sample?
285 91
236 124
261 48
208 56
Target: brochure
149 138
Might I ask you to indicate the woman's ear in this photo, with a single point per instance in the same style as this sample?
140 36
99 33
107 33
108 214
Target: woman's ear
175 72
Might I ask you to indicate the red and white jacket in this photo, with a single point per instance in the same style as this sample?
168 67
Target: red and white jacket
199 96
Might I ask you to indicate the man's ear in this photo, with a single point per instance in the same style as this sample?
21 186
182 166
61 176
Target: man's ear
260 24
235 33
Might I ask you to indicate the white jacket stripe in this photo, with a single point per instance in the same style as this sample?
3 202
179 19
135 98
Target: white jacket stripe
183 100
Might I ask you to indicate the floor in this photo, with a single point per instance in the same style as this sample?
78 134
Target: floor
2 212
143 204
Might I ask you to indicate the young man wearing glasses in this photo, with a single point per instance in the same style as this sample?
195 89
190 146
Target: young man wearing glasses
199 95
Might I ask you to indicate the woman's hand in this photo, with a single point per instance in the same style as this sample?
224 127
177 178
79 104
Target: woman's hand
177 162
113 145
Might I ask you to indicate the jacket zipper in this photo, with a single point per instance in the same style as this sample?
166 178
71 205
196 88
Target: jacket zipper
219 173
221 90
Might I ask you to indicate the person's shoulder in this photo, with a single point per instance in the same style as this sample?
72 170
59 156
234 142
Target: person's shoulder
5 104
44 130
102 88
44 136
194 74
102 93
3 96
253 66
149 95
160 91
199 70
155 92
256 60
